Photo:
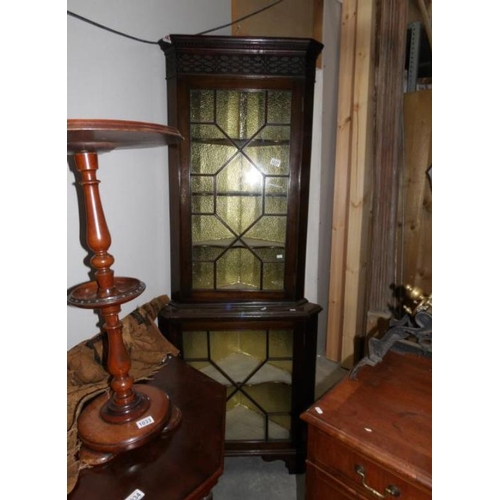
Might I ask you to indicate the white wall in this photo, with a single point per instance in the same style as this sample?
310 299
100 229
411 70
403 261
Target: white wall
110 76
113 77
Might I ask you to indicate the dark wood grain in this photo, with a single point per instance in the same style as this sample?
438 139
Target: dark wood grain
184 464
95 135
388 153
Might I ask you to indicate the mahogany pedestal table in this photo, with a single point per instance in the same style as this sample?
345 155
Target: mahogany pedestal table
181 465
129 415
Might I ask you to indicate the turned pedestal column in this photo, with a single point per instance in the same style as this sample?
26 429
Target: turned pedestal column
128 415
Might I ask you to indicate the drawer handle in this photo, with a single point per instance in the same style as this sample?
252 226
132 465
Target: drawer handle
389 490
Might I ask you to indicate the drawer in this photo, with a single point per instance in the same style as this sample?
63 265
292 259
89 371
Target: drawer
355 470
321 486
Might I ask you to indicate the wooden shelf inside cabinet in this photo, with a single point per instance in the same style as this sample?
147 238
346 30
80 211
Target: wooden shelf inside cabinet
248 242
129 415
240 143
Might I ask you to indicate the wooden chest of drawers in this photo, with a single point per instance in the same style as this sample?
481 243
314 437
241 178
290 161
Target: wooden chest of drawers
372 437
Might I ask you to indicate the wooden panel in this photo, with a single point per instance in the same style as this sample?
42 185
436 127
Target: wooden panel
388 157
322 486
293 18
360 184
351 212
341 182
417 196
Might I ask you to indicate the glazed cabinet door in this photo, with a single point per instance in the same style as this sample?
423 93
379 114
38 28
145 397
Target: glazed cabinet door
239 181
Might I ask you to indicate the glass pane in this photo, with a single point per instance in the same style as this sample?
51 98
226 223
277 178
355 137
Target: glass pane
203 275
205 228
240 152
244 421
240 114
270 150
277 185
240 176
202 184
195 345
270 254
279 426
202 106
203 204
210 149
274 276
276 205
279 108
269 228
271 396
207 252
281 343
239 212
238 268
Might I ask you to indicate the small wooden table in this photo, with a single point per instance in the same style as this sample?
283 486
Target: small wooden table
184 464
127 417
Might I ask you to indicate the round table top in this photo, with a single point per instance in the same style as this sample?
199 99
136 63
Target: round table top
95 135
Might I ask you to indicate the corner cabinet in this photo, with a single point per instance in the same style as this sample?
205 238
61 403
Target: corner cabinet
239 194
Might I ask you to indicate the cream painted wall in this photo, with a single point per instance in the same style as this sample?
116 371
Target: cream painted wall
109 76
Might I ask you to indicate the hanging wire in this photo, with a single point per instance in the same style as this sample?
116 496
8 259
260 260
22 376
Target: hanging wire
81 18
108 29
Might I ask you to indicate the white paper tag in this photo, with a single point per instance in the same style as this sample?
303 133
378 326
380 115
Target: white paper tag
136 495
275 162
144 422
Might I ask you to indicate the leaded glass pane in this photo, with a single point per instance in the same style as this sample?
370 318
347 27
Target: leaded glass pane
276 205
203 275
210 149
269 228
256 368
274 276
202 106
238 268
205 228
270 150
279 108
280 343
202 204
202 184
239 212
207 252
239 177
240 114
